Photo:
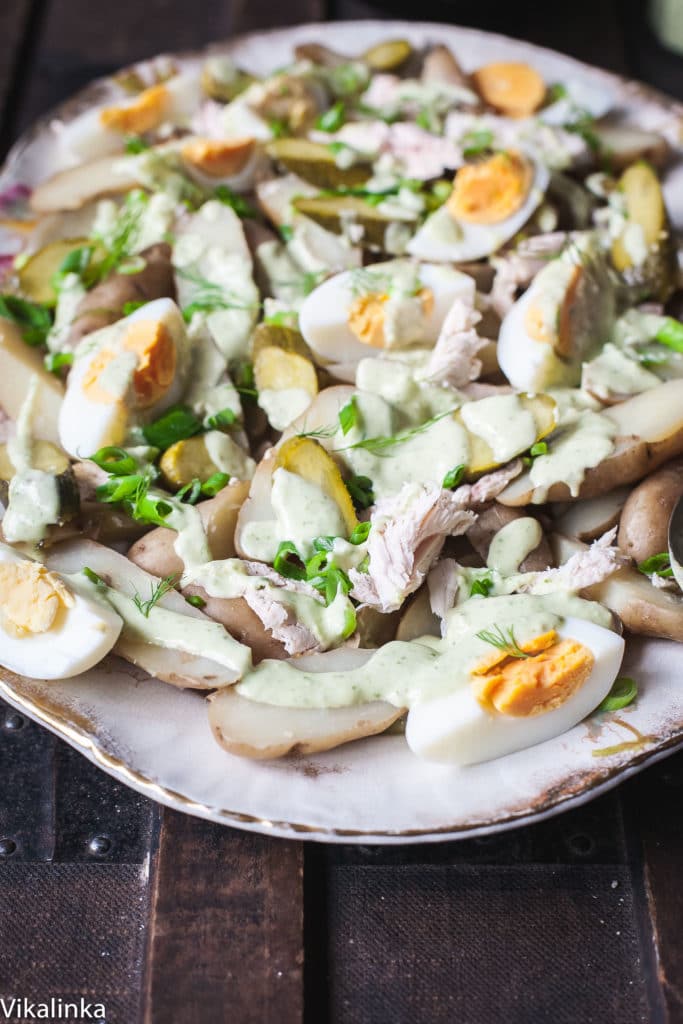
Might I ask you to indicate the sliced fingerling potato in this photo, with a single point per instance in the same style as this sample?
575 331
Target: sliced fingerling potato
544 410
645 209
644 524
282 359
260 731
76 186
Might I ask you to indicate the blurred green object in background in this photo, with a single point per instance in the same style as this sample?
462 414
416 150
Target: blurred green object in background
666 17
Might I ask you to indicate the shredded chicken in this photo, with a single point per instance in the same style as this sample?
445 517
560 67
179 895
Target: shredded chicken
281 622
420 154
442 584
453 360
488 486
583 569
408 532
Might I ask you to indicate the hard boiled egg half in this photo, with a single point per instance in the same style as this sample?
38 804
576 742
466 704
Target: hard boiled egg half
47 630
491 200
123 375
388 306
510 703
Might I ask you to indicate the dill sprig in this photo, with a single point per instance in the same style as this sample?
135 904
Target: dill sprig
383 446
157 592
209 296
504 640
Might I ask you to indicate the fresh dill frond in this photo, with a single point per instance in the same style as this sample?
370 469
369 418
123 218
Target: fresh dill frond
161 589
209 296
320 432
504 640
383 446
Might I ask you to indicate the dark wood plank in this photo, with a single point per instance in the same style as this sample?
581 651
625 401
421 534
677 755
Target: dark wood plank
226 927
76 45
655 807
14 21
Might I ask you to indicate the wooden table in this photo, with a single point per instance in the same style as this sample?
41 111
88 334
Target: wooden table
171 920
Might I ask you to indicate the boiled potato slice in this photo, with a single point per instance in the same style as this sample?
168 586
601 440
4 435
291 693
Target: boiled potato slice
76 186
308 459
261 731
644 206
544 411
282 359
35 276
18 363
50 459
314 162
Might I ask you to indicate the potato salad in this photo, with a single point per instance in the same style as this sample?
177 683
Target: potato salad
349 396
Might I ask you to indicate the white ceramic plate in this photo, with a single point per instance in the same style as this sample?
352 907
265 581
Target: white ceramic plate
156 738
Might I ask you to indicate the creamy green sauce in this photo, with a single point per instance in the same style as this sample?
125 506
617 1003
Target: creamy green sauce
302 512
282 406
580 447
164 628
513 542
71 291
395 380
33 496
329 624
614 373
228 456
408 673
503 422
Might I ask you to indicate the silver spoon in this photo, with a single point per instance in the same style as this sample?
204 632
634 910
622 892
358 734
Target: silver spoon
676 541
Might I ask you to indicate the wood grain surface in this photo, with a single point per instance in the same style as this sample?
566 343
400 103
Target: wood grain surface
172 920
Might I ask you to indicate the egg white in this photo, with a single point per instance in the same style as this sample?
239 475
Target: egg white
86 425
458 730
323 317
528 364
444 239
78 639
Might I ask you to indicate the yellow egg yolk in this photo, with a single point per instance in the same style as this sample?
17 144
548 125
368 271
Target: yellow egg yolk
145 113
156 363
491 190
367 315
31 597
521 687
218 158
511 87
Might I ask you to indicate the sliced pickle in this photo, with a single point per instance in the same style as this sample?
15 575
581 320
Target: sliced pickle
388 56
50 459
186 460
308 459
336 212
35 277
222 80
544 410
315 162
282 359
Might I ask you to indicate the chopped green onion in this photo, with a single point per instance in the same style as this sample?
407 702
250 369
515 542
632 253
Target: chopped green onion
540 448
286 232
481 587
657 565
215 483
361 490
278 127
359 533
135 145
623 692
557 91
191 492
221 420
336 148
236 202
671 334
332 119
176 424
476 142
33 319
195 600
115 461
453 477
56 361
283 564
348 415
151 511
131 307
119 488
92 576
